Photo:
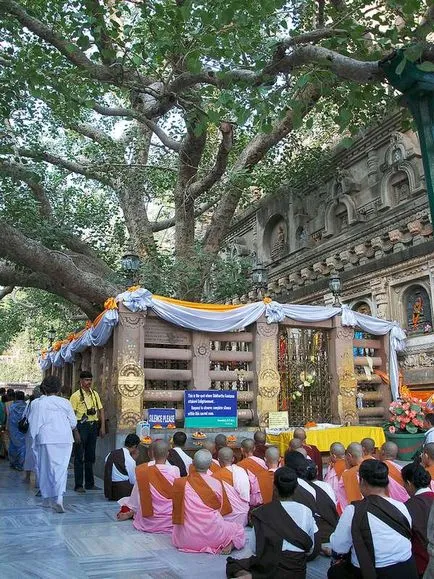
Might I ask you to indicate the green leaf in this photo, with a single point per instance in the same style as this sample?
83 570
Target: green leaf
400 68
414 52
411 428
426 66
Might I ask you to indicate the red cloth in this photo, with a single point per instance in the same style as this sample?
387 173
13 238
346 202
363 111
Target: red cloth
315 455
260 450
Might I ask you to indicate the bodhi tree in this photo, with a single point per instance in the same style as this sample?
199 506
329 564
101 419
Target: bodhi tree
150 121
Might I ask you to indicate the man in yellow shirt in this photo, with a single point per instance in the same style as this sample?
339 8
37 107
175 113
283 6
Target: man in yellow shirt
90 422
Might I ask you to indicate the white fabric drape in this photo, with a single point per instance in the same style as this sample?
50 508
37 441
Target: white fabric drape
205 320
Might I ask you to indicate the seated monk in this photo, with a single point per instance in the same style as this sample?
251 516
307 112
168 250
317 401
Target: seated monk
336 466
199 504
236 484
151 500
312 495
220 441
284 535
311 449
120 469
215 465
177 456
368 446
388 454
260 447
376 530
348 489
253 466
266 478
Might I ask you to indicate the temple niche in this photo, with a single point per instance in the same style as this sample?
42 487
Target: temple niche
275 238
341 210
418 310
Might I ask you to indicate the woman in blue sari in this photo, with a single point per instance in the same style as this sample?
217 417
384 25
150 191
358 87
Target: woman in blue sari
17 445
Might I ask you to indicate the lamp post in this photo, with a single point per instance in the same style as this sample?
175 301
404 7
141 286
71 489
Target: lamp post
51 334
259 276
130 263
335 286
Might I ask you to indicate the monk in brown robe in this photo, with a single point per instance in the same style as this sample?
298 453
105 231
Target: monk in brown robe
311 449
260 447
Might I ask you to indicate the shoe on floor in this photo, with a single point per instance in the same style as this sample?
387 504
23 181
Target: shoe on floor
80 490
38 494
58 508
94 488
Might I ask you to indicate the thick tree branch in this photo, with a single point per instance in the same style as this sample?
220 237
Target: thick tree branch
312 36
71 166
168 141
114 74
101 36
196 189
19 172
91 132
254 152
20 278
54 265
170 222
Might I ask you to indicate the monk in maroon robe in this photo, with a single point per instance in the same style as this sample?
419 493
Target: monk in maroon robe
311 449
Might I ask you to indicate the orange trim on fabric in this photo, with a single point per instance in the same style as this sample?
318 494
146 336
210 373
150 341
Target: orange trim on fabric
223 474
351 484
213 467
197 305
339 467
147 476
266 485
252 466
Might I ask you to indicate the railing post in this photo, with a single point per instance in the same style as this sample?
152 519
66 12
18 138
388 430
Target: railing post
265 348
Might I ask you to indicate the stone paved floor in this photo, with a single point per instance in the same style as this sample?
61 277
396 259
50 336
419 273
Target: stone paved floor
87 542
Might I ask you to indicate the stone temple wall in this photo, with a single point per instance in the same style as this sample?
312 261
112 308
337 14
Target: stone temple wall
370 222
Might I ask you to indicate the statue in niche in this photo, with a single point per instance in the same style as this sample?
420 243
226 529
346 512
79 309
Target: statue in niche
302 236
401 187
396 155
418 311
363 308
279 241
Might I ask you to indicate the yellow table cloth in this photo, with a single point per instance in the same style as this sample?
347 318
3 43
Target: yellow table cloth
325 437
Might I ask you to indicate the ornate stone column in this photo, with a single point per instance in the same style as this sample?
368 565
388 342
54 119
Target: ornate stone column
268 385
343 379
379 291
128 370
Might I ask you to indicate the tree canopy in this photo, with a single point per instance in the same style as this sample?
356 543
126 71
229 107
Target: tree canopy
149 122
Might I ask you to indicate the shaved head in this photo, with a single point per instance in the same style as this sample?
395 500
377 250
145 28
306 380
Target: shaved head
389 450
272 457
295 444
209 445
160 450
247 447
300 433
226 456
354 453
337 449
368 445
260 437
220 441
202 460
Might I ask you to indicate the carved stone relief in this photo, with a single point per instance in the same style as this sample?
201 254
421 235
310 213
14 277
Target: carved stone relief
131 381
347 391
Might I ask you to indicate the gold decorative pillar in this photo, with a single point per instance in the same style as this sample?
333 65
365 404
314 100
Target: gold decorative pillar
128 369
343 379
268 378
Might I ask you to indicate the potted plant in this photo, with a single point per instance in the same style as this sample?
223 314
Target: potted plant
406 426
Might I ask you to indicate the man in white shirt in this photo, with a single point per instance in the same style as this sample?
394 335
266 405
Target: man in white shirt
177 456
429 435
377 531
120 469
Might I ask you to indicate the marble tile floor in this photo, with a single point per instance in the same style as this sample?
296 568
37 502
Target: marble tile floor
87 541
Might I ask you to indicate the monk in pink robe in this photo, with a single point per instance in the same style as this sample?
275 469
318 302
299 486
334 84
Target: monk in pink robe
236 484
254 467
151 499
199 504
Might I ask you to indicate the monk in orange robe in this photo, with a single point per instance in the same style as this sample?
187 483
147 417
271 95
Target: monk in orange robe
254 467
215 465
266 478
349 490
368 446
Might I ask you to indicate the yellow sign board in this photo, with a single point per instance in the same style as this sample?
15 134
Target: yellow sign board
278 420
